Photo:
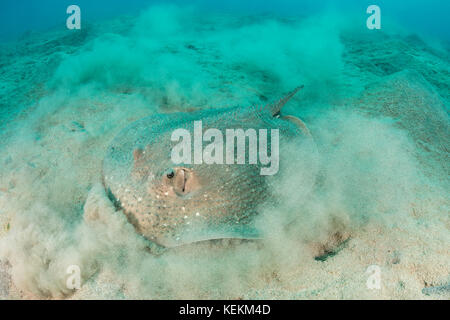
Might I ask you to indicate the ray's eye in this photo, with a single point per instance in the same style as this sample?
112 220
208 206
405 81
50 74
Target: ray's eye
171 174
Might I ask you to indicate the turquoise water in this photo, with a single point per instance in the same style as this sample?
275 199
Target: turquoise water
375 101
428 17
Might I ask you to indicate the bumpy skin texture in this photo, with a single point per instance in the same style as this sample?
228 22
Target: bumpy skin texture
220 200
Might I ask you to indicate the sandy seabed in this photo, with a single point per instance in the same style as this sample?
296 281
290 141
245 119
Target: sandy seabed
375 103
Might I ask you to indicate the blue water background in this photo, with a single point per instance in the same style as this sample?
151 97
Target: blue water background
428 18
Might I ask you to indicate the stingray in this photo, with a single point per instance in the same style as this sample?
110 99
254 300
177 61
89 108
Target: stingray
172 205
